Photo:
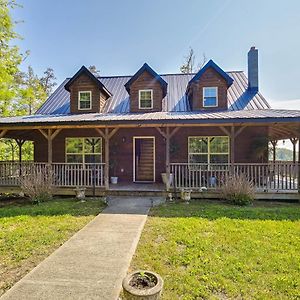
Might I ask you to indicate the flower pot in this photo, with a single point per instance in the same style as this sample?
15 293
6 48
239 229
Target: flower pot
80 193
186 195
164 178
133 292
114 179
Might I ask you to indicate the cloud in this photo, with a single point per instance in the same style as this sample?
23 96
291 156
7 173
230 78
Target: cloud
286 104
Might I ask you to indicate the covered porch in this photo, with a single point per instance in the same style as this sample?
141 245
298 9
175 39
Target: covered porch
268 175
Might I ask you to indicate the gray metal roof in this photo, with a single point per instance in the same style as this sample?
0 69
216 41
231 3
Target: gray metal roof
239 116
239 97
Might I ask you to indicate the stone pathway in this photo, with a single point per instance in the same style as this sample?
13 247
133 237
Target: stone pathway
92 264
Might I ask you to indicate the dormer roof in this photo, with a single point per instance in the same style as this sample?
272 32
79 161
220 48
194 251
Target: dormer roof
84 70
213 65
147 68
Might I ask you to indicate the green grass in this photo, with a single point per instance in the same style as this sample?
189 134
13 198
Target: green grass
210 250
29 233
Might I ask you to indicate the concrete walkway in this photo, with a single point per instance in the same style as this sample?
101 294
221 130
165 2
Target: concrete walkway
92 264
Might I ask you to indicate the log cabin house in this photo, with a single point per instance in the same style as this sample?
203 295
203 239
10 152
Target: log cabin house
193 128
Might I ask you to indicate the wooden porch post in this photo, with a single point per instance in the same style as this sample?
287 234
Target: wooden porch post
20 143
294 142
232 142
106 136
49 136
168 135
274 143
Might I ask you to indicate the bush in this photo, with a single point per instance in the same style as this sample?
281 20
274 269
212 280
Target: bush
238 190
37 185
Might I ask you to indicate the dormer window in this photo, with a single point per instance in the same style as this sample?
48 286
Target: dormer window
210 97
84 100
145 99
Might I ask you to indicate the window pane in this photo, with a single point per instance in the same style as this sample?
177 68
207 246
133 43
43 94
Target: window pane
85 96
74 145
146 103
198 158
74 158
85 104
210 92
198 145
90 142
215 158
219 144
209 101
145 95
90 158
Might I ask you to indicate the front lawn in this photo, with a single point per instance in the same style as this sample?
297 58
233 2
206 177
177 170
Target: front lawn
29 233
210 250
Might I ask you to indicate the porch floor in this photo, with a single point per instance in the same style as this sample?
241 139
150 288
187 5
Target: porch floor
138 187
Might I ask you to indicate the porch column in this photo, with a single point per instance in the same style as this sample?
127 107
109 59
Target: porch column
167 136
20 143
106 135
294 142
274 143
49 136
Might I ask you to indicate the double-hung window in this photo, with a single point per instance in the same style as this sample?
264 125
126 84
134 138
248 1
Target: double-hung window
84 100
84 150
145 99
210 96
208 150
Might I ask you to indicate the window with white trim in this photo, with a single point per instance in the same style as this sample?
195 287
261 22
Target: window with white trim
145 99
84 100
210 96
208 149
84 150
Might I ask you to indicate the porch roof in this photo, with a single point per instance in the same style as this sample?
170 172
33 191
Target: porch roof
265 116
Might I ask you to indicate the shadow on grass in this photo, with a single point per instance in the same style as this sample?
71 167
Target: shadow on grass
55 207
213 210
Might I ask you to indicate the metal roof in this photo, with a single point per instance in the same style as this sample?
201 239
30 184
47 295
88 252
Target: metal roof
239 97
240 116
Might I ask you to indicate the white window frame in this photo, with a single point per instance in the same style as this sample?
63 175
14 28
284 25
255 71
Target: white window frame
83 150
209 153
90 92
203 96
149 90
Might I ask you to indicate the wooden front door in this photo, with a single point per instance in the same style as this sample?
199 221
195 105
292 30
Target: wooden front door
143 159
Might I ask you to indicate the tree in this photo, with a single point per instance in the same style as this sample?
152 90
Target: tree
48 81
10 57
189 63
93 69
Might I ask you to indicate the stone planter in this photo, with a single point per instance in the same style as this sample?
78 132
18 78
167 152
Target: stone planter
80 193
185 195
114 179
133 293
164 178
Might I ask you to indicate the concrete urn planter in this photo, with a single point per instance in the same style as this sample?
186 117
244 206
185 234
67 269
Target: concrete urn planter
185 195
80 193
132 292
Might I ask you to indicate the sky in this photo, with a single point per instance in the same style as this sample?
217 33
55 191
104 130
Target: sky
119 36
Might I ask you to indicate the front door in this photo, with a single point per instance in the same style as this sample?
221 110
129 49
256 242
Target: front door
143 159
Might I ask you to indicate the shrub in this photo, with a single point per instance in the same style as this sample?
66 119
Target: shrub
238 190
37 184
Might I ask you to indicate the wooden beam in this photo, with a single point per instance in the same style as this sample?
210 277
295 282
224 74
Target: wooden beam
43 133
55 133
294 142
274 143
232 143
49 146
225 130
101 133
168 158
161 132
3 132
106 159
239 131
174 131
110 135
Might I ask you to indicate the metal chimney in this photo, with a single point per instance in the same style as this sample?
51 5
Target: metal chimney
253 69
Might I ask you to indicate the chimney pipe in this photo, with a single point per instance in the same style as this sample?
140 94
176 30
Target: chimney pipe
253 69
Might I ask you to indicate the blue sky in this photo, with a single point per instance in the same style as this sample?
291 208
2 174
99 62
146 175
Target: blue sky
119 36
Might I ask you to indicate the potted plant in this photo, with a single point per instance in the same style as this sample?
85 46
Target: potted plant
113 163
144 285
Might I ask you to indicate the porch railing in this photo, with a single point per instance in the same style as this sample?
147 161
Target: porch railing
63 174
269 176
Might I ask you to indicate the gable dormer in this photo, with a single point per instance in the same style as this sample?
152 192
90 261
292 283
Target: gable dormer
207 90
87 93
146 90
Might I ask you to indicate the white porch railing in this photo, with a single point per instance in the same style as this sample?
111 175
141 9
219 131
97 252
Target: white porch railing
64 174
278 176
